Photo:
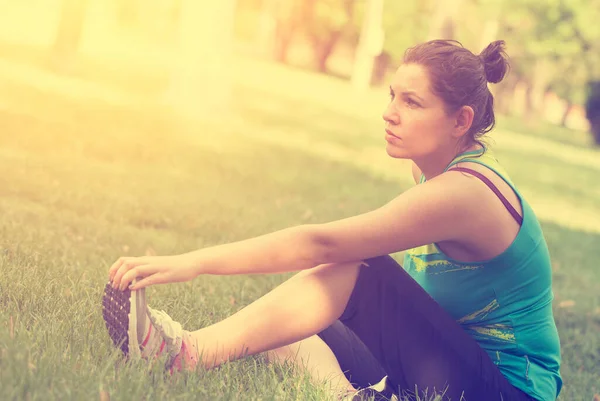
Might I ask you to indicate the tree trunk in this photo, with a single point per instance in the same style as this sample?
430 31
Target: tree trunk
504 96
370 45
283 38
287 15
443 21
595 126
529 103
324 49
538 86
127 13
563 120
267 33
201 82
70 30
380 68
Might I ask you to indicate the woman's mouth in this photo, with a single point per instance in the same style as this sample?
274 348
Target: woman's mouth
389 136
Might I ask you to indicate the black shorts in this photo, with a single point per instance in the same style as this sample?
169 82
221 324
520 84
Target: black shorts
392 327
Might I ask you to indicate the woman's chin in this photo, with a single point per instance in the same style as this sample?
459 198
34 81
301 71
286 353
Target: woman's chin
395 152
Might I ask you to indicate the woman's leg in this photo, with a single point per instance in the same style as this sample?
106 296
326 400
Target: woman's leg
315 357
299 308
415 340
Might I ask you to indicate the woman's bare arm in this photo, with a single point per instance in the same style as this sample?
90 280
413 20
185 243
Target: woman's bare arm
432 212
450 207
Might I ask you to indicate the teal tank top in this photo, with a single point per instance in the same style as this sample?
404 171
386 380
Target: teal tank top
504 303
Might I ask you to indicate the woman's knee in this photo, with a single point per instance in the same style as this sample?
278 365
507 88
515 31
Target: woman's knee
339 279
298 352
289 353
278 355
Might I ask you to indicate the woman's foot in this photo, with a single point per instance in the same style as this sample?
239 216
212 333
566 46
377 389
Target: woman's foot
144 333
377 392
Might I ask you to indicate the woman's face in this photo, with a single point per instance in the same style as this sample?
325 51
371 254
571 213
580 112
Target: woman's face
417 124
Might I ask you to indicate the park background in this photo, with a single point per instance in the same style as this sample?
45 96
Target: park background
132 127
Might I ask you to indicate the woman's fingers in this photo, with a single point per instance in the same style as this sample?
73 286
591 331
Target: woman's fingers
138 272
150 269
148 281
115 267
124 267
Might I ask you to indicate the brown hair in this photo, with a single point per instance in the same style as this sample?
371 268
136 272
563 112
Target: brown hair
460 78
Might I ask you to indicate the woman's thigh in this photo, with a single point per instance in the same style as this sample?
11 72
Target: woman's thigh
412 338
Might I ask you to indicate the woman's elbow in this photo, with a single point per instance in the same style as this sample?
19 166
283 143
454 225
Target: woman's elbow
320 246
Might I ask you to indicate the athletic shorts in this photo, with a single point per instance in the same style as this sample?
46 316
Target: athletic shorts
392 327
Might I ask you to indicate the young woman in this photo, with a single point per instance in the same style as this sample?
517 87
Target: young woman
469 315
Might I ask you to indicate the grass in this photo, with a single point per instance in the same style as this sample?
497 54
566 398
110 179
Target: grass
86 181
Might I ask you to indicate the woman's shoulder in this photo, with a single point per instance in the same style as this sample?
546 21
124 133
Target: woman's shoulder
495 175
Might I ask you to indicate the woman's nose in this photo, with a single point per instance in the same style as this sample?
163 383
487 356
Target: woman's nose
390 115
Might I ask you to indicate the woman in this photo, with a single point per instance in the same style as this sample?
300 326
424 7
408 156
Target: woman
468 316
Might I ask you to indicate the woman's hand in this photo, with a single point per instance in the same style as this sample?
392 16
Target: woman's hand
151 270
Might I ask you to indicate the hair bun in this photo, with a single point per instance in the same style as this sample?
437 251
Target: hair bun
495 61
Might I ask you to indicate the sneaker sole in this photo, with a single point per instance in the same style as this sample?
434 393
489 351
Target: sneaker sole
119 313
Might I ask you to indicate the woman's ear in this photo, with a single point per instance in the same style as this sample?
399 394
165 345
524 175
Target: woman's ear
464 120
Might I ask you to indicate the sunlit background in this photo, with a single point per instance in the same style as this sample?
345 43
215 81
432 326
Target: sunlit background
184 48
134 127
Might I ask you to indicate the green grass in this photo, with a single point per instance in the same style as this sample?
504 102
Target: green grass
85 182
548 130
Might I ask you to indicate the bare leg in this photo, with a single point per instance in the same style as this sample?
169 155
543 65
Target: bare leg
313 355
299 308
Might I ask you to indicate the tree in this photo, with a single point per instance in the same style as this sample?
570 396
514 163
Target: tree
443 24
370 44
127 12
201 78
405 24
550 44
592 109
325 23
69 33
288 20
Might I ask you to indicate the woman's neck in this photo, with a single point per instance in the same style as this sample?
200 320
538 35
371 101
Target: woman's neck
435 164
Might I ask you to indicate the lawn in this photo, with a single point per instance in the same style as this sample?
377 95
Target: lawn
91 172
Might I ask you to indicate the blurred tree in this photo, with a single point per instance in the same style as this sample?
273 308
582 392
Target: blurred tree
288 18
69 33
154 20
201 77
267 24
127 12
326 22
405 24
323 22
568 82
370 44
554 46
444 19
576 56
592 109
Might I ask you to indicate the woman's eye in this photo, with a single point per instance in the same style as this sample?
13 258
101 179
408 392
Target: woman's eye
411 103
